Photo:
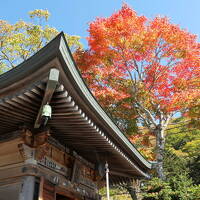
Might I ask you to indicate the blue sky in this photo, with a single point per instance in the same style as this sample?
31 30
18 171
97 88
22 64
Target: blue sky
73 16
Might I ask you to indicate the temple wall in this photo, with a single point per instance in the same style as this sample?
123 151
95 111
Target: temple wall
9 153
57 173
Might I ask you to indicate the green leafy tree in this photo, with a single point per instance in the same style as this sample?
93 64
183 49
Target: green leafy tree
183 140
116 193
21 40
177 186
157 189
194 114
181 165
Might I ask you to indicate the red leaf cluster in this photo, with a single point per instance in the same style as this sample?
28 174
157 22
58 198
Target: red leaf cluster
161 57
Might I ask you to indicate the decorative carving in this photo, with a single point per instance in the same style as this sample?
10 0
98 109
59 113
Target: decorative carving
26 151
41 138
42 151
32 142
51 164
83 176
37 149
35 140
27 137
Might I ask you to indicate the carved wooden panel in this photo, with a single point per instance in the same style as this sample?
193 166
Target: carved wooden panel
58 155
88 173
54 153
55 159
83 178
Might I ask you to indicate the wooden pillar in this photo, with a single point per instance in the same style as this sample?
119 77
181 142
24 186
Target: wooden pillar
27 189
41 190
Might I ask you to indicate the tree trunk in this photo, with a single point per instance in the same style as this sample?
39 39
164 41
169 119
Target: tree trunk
134 189
160 146
132 192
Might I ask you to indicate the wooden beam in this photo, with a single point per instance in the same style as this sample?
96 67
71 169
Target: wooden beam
121 174
51 86
10 136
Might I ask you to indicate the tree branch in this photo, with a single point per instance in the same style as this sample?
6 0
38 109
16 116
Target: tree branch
7 58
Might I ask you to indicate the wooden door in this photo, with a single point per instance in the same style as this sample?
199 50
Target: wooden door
49 191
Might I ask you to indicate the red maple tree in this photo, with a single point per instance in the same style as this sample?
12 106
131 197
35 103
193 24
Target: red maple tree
142 69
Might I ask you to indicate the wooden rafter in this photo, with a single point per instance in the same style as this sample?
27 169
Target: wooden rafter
50 88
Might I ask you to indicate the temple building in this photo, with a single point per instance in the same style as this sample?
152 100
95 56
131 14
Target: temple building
55 138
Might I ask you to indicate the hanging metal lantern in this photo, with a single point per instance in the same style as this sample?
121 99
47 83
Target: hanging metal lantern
46 111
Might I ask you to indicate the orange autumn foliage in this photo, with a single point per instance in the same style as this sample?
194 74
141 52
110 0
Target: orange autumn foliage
142 71
164 58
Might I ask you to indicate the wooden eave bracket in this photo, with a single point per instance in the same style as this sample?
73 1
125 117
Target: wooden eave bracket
35 140
50 88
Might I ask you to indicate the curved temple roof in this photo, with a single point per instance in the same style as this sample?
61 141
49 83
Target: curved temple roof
78 121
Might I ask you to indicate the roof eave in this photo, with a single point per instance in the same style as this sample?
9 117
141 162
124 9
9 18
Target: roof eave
92 102
58 48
